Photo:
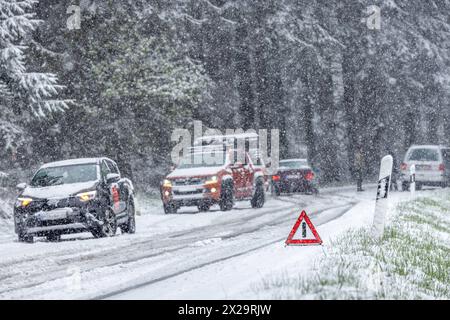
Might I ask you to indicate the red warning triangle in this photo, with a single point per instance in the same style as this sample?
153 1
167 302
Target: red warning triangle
304 240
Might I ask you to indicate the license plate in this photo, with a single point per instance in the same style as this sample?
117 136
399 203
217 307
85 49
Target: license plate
424 167
186 189
292 176
53 215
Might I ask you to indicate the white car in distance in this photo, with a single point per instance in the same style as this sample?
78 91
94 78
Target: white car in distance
432 166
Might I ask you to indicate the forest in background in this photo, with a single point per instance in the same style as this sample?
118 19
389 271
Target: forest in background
134 71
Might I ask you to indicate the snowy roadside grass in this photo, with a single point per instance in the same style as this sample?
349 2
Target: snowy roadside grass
412 260
6 210
148 202
6 203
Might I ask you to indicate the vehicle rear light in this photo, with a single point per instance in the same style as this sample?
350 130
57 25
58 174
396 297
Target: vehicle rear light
276 178
442 167
309 175
403 166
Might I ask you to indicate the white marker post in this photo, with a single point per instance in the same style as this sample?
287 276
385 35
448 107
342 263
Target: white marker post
381 205
412 181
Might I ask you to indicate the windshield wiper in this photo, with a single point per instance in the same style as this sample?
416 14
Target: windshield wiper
47 182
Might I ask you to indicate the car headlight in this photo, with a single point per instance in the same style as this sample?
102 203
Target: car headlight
212 179
167 183
23 202
86 196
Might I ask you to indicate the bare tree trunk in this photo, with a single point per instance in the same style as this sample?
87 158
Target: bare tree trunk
348 76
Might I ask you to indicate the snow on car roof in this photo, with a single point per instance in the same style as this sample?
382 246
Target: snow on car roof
71 162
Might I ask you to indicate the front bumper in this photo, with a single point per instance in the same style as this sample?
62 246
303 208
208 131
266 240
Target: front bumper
191 195
61 220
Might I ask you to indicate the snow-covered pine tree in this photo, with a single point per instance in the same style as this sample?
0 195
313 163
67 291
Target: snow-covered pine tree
24 93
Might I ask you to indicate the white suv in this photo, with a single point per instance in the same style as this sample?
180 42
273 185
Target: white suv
432 166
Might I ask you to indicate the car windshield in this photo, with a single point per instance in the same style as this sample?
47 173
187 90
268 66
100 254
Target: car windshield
424 155
198 160
53 176
293 164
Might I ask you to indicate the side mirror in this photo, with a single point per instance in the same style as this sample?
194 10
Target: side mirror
112 177
21 186
173 167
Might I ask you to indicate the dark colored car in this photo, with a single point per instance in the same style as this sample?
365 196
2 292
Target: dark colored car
75 196
294 175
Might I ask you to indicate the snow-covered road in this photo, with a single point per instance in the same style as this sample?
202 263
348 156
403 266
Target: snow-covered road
189 255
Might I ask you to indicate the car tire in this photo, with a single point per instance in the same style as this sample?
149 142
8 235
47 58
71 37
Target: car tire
204 207
277 190
226 197
259 196
130 225
53 237
170 208
405 186
109 226
22 237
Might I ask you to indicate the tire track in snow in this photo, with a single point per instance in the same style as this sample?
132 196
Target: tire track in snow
54 266
56 269
218 260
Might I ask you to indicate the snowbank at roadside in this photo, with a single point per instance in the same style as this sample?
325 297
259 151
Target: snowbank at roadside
6 209
410 262
148 202
5 203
